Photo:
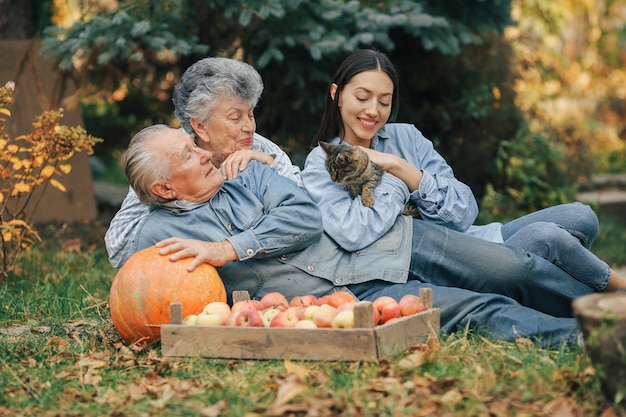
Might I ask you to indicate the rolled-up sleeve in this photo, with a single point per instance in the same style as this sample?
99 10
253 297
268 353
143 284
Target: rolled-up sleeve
287 219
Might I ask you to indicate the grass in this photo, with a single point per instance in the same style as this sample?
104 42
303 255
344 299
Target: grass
70 361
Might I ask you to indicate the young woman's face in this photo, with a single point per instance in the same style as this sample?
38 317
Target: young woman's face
364 105
229 128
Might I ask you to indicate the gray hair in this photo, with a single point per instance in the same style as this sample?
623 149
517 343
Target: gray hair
203 83
143 167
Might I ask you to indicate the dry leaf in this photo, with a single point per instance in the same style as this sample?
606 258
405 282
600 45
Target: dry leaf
413 361
500 407
561 407
299 370
214 410
292 387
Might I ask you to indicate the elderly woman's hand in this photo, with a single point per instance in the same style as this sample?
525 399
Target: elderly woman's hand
213 253
238 161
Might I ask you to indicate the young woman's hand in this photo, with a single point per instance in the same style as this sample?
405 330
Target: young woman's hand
397 167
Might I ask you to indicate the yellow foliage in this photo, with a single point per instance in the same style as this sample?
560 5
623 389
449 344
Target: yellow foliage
37 160
47 171
56 184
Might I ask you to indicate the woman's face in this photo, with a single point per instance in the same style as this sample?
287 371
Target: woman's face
364 105
228 129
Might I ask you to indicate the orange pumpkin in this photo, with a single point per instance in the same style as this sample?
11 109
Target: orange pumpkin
148 283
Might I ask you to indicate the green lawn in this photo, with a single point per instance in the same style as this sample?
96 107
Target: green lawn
60 356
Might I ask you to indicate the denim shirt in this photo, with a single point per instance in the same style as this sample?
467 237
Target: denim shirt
276 230
440 198
121 234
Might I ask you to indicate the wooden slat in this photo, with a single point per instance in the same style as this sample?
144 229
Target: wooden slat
408 331
268 343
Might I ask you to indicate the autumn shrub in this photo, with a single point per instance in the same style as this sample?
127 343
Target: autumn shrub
30 163
533 174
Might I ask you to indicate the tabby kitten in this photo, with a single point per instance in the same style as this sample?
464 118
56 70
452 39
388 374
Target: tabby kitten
349 165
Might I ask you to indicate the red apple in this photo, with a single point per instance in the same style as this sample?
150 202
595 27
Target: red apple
323 317
248 318
321 300
302 300
246 305
305 324
287 318
387 307
343 320
339 297
349 306
411 304
273 299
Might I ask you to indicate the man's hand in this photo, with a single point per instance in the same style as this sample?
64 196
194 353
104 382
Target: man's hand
213 253
238 161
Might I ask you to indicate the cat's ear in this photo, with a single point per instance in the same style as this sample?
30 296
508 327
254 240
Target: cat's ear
325 146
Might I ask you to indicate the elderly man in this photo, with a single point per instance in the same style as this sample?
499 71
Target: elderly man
265 234
214 101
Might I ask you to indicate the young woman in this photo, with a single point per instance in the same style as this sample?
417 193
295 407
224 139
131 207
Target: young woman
547 263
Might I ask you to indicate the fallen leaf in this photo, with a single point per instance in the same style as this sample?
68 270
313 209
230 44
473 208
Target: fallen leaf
500 407
561 407
214 410
14 330
413 361
291 388
293 368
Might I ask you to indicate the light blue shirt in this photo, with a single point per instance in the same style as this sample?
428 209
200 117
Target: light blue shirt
121 234
276 230
440 198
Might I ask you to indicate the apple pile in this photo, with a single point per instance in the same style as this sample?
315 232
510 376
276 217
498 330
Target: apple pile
305 311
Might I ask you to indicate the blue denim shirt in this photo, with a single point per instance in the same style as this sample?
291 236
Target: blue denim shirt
440 198
276 230
120 235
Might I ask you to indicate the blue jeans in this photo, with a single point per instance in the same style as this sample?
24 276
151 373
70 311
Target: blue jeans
501 317
447 258
563 235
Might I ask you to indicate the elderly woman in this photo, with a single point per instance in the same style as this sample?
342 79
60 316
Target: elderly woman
215 102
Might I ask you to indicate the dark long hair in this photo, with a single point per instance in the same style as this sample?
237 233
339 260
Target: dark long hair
355 63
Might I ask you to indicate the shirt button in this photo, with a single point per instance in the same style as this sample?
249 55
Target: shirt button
231 227
310 268
337 281
283 257
250 252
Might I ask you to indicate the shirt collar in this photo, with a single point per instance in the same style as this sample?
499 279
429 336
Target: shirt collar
181 205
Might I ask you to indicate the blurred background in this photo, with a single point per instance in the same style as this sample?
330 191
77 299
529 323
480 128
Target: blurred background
524 98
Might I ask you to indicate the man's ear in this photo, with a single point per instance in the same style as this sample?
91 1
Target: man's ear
164 191
199 128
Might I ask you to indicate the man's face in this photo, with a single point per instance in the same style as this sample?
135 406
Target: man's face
194 178
229 128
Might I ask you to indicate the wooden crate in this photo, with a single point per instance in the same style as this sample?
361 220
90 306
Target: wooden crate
365 342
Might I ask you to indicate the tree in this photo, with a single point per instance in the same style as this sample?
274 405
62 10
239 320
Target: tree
140 49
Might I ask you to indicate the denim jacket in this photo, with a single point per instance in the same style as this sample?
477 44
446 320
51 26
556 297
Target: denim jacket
440 198
120 235
276 230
